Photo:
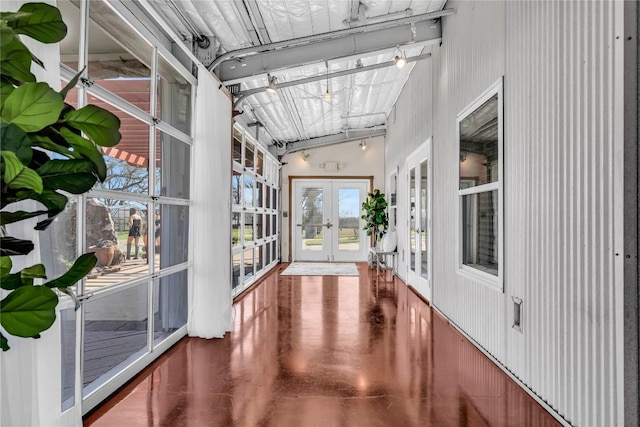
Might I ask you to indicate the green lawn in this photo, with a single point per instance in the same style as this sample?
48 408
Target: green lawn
317 242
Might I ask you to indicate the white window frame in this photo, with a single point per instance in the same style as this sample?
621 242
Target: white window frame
482 277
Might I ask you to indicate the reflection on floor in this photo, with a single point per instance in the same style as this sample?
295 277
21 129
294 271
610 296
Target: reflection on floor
325 351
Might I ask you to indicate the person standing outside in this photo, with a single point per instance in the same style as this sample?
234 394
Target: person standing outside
135 226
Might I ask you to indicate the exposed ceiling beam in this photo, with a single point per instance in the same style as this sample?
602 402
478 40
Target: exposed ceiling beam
317 38
345 136
247 23
355 44
256 17
242 95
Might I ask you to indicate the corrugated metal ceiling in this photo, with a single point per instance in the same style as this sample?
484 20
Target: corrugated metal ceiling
301 112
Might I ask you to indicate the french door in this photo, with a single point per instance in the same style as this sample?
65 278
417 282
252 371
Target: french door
419 166
326 220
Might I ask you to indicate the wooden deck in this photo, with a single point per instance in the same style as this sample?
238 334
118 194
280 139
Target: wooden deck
128 270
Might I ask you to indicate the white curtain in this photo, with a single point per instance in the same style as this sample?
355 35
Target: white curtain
30 372
210 292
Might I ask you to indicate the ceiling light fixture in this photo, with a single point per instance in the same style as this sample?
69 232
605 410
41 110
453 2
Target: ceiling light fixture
363 144
327 94
400 59
272 84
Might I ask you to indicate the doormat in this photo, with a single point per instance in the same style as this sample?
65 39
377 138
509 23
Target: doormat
320 269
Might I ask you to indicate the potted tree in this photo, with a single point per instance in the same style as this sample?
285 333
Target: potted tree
376 218
48 149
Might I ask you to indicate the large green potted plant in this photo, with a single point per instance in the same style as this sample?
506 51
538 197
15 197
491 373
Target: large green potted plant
47 149
376 218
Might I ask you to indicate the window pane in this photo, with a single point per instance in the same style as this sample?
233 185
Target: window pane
119 59
259 260
236 151
237 258
267 225
127 162
114 232
173 160
480 231
58 241
69 46
273 251
274 199
172 236
174 97
274 222
236 188
267 258
115 334
248 190
248 155
68 359
248 263
259 192
349 219
248 227
169 305
235 230
479 144
260 163
267 201
259 229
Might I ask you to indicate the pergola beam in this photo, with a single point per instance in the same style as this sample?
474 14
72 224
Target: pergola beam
240 64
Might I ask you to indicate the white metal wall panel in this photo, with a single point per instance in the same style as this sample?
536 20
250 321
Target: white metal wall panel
471 59
557 59
408 128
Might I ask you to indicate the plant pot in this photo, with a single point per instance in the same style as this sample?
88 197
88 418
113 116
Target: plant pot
104 255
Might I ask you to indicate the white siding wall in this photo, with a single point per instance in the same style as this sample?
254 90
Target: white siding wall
412 127
560 140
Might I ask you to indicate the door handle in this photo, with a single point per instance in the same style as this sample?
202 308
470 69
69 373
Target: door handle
328 224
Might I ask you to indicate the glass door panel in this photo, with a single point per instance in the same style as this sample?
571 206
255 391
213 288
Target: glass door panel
419 223
312 210
424 169
412 220
349 219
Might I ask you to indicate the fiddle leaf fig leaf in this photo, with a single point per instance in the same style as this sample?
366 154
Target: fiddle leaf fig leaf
87 150
10 246
5 266
41 22
11 217
100 125
16 140
23 278
6 34
72 83
28 310
6 89
17 175
4 344
32 106
15 61
75 176
83 265
12 281
36 271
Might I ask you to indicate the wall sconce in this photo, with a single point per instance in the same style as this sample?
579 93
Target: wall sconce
400 59
305 156
363 144
463 157
272 84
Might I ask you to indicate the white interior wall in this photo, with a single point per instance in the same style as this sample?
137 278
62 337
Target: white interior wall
410 129
355 163
560 140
